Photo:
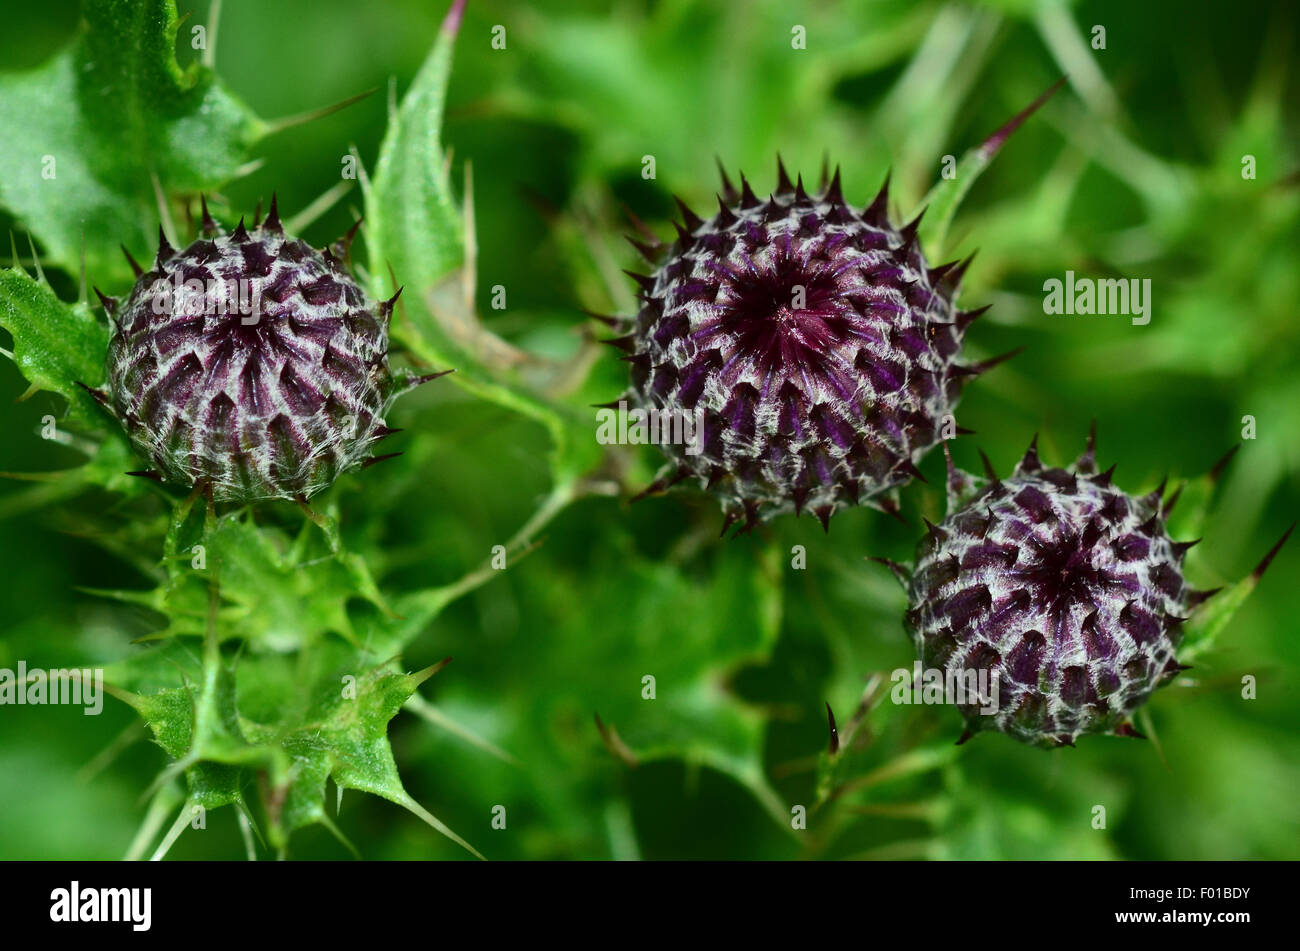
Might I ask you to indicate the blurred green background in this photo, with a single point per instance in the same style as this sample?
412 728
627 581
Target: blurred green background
1133 170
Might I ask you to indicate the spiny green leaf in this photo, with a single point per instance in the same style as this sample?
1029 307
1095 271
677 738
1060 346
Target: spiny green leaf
292 722
417 241
57 346
275 593
1188 518
691 628
87 133
418 228
943 200
1201 631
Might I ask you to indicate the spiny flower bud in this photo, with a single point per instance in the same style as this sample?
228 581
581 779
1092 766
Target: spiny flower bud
250 365
1065 590
812 342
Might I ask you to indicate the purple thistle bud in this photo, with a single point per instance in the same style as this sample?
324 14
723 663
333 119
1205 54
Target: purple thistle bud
811 340
1069 590
250 364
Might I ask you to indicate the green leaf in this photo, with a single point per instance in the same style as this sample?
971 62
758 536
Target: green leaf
417 240
276 593
943 200
413 222
1196 498
56 345
294 722
1204 627
87 133
586 651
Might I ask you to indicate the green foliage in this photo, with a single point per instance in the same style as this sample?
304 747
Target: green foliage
417 241
415 227
57 347
283 729
943 200
267 652
669 642
94 132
